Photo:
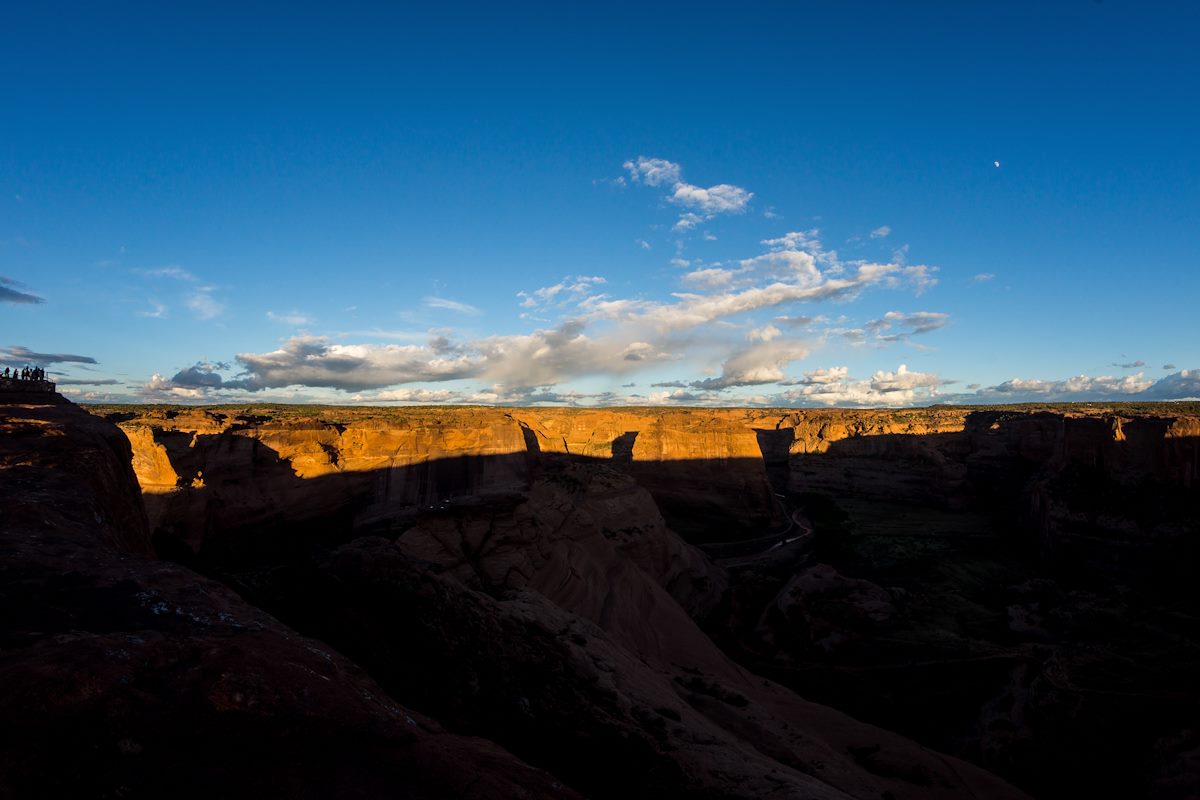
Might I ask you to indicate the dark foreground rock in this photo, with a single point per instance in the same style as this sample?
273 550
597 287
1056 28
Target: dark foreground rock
128 677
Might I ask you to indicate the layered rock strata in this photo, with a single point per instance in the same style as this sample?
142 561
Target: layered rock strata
126 676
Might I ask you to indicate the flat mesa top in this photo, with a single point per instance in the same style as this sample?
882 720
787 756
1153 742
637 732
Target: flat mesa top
329 413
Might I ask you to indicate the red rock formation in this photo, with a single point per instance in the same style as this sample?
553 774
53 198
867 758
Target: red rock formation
561 599
128 677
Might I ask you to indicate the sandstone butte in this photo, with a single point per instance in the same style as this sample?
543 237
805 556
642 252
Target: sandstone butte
525 577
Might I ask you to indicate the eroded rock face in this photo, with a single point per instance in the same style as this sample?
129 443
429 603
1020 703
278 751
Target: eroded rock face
915 613
129 677
535 598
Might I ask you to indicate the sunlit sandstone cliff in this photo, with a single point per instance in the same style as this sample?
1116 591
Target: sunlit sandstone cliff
566 509
707 470
135 677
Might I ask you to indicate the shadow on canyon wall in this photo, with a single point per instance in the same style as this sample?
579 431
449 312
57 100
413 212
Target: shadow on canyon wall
1020 593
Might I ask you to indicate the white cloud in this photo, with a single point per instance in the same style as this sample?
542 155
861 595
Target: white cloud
896 326
1080 387
756 365
410 397
710 278
724 198
653 171
1182 385
835 387
542 358
824 377
162 390
313 361
690 220
721 198
693 309
568 290
881 232
983 277
764 334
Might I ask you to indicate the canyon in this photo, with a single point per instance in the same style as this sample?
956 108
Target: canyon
528 602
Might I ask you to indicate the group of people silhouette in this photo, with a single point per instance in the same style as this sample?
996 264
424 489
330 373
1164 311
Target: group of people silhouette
24 374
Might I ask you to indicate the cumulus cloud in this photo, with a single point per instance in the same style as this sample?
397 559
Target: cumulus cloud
603 335
881 232
823 377
541 358
653 171
756 365
722 198
10 293
728 321
764 334
1130 365
1181 385
685 397
689 220
410 397
201 375
21 356
835 387
1169 366
1080 387
160 389
313 361
983 277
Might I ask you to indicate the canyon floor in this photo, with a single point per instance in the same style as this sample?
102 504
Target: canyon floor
536 602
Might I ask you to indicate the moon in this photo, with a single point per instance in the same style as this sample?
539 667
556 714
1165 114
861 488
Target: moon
997 164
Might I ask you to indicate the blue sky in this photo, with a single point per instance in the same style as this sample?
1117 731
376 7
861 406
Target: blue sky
697 203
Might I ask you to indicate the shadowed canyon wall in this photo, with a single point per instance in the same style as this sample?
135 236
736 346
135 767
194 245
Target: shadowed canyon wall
1093 491
545 617
979 579
567 590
